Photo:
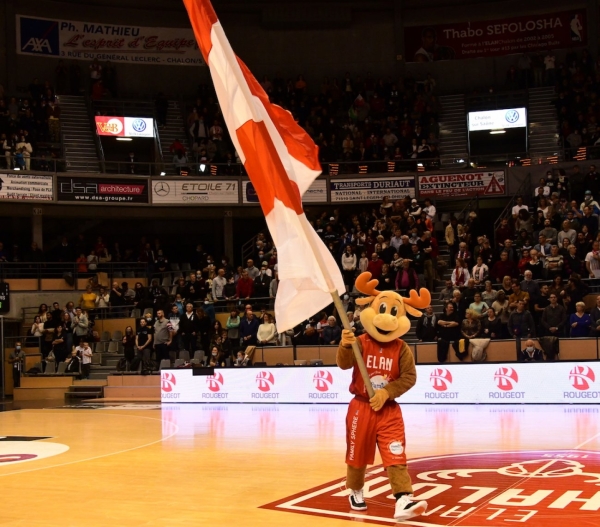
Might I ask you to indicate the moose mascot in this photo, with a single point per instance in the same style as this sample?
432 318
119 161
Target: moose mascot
391 368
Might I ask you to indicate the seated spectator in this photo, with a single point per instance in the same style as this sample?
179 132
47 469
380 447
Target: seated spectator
427 326
332 333
480 272
73 363
580 322
543 248
530 353
595 316
266 334
491 325
460 274
478 307
242 360
445 293
554 318
216 359
489 294
470 326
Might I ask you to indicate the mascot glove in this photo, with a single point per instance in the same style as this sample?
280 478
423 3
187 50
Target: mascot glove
379 399
348 338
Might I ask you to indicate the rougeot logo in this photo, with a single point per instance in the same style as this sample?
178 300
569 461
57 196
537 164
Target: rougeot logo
167 381
139 125
506 378
441 379
265 381
512 116
215 382
323 380
581 377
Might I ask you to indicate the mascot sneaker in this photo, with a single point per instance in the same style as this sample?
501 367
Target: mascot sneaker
406 508
357 501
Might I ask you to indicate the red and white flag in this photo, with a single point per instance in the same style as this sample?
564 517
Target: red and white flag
282 162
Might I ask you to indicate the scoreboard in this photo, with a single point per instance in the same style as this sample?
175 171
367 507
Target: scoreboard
4 297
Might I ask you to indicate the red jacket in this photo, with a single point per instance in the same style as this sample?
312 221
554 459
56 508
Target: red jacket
245 287
375 268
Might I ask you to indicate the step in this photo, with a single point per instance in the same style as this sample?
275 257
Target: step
83 395
132 391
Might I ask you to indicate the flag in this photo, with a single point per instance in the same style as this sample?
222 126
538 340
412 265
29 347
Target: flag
282 162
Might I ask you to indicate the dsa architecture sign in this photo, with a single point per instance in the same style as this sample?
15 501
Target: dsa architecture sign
102 190
369 189
76 40
465 185
488 38
17 186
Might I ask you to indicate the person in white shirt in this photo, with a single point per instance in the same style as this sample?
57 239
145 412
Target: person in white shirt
545 188
349 262
429 209
518 207
218 284
103 298
267 333
27 151
85 352
592 261
396 240
480 272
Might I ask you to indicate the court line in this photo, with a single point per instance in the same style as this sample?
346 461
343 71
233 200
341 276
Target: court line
104 455
586 442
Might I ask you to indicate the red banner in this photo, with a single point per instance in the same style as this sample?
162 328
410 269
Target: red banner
488 38
112 126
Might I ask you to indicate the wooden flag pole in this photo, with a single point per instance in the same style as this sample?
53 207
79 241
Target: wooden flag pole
337 302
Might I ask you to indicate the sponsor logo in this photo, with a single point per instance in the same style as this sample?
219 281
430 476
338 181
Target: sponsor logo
265 381
512 116
441 379
39 37
506 378
111 127
582 377
396 448
554 488
15 450
167 381
323 380
139 125
215 382
162 189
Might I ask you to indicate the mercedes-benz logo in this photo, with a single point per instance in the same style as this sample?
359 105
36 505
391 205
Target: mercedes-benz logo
512 116
161 188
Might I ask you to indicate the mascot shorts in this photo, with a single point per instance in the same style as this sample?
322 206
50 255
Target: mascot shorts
366 428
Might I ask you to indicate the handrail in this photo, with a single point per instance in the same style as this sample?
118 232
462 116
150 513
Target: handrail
39 270
524 190
99 150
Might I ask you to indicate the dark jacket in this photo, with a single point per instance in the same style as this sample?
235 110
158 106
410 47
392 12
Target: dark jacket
249 328
426 328
187 325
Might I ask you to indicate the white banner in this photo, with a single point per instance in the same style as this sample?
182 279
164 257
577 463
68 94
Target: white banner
537 383
193 192
465 185
124 126
68 39
370 189
497 119
17 186
317 192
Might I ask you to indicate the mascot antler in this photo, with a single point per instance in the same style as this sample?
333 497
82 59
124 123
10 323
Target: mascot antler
366 286
420 300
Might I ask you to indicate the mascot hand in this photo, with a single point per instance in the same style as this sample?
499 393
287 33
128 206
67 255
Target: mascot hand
379 399
348 338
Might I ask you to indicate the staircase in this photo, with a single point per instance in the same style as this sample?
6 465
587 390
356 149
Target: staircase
84 391
543 124
174 129
453 130
78 139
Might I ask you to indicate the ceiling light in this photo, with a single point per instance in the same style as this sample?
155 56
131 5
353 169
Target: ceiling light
124 139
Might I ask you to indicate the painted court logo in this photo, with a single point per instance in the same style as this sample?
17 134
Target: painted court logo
167 382
323 380
506 379
214 382
582 377
492 489
441 379
265 381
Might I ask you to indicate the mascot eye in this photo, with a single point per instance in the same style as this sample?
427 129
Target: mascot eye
394 311
382 308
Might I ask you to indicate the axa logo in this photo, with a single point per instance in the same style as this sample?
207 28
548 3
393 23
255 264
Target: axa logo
323 380
39 36
506 378
582 377
215 382
441 379
265 381
167 381
38 45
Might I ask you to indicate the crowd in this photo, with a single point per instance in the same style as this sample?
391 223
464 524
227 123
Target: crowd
353 119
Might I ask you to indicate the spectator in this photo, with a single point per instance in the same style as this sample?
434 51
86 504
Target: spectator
445 293
478 307
520 322
535 265
387 280
480 272
375 266
489 294
491 325
448 331
17 359
87 301
74 362
407 278
460 274
592 261
267 333
332 333
252 271
85 353
567 233
427 326
128 342
216 358
143 340
530 286
503 267
470 327
530 353
517 296
554 263
519 206
102 299
163 336
218 285
248 329
595 316
554 318
349 263
580 322
80 325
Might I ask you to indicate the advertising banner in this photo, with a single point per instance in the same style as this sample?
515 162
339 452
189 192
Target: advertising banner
67 39
465 185
497 119
317 193
488 38
102 190
535 383
369 189
124 126
193 192
17 186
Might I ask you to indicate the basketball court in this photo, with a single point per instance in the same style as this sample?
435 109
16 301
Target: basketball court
273 465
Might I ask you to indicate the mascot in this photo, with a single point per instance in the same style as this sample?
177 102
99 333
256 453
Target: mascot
391 368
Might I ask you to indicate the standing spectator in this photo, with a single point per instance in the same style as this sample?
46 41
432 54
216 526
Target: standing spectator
491 325
17 361
427 326
448 330
349 263
266 334
554 318
453 234
262 283
595 316
233 327
143 340
128 342
252 271
86 359
480 272
375 266
248 329
592 261
580 321
188 328
218 285
503 267
460 275
332 333
163 336
80 325
520 323
204 328
530 286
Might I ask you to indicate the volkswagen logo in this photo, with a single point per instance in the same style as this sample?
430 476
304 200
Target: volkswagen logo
139 125
512 116
161 188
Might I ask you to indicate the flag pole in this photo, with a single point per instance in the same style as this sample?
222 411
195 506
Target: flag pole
337 302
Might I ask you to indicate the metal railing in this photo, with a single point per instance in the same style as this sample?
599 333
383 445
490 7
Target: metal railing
524 191
70 270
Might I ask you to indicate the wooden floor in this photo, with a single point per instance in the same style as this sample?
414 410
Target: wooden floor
218 465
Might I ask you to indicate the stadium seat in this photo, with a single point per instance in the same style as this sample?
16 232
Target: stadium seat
117 335
62 367
179 362
136 313
166 281
175 267
199 355
105 336
185 355
50 368
165 363
186 267
113 347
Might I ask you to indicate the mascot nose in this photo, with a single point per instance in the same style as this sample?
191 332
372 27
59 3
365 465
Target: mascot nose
385 322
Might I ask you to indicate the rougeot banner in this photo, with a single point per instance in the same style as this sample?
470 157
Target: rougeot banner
102 190
194 192
67 39
488 38
316 193
369 189
17 186
534 383
466 185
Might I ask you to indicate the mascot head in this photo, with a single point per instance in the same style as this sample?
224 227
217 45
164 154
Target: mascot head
385 319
